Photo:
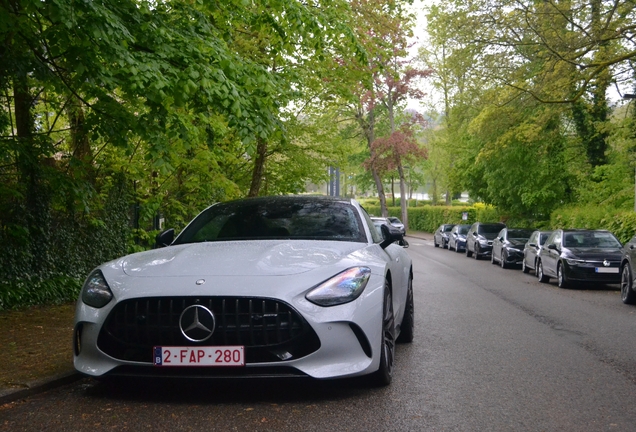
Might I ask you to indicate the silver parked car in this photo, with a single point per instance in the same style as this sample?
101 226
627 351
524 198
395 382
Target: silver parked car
441 235
531 250
273 286
397 224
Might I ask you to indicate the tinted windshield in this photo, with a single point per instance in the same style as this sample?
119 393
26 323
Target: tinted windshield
276 218
519 234
490 231
448 228
463 229
592 239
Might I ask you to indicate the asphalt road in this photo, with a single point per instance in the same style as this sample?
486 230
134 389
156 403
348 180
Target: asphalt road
494 350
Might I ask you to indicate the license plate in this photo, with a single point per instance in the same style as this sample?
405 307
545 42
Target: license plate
606 269
199 356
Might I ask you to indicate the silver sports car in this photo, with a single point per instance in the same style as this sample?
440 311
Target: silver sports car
264 287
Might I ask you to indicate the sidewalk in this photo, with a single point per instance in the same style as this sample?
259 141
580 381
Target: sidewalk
36 351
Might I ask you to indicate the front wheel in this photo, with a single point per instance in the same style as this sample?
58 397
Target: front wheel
562 280
408 320
477 257
524 267
468 252
435 242
502 261
492 258
628 296
384 375
542 278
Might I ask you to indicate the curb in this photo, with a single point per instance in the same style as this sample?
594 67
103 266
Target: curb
38 386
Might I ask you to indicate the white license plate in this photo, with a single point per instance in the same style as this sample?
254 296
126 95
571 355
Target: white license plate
606 269
199 356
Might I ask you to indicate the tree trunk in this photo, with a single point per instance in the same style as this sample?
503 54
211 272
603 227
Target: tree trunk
403 198
259 167
393 190
37 209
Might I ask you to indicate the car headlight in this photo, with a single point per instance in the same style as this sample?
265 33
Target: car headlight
96 292
514 249
483 242
572 261
342 288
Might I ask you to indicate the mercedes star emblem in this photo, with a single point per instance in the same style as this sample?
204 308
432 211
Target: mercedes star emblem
197 323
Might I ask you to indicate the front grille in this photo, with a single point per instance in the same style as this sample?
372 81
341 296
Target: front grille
269 329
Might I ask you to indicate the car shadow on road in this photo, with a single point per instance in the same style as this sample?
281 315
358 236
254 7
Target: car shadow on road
249 390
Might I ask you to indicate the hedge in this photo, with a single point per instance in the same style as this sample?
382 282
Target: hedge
428 218
621 222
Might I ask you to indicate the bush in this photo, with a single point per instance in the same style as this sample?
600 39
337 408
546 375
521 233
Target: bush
26 292
622 223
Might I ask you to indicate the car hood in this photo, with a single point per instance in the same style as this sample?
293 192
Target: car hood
246 258
518 242
596 253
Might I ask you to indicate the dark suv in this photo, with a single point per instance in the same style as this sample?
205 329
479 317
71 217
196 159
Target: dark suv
479 238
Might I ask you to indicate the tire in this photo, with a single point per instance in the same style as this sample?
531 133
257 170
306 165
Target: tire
542 278
456 248
468 252
562 280
477 257
524 267
502 261
435 242
628 296
408 320
384 375
492 258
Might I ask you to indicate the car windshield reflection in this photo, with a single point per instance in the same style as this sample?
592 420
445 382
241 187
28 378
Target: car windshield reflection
261 219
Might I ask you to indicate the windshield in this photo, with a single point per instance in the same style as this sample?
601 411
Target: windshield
520 234
490 231
463 229
592 239
276 218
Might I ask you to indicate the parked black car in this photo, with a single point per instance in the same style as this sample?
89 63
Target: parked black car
479 238
531 250
440 237
580 256
628 261
457 238
507 247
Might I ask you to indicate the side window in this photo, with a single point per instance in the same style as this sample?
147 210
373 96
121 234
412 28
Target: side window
550 240
556 239
375 235
533 238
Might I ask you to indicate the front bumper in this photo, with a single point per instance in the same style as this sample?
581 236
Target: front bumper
348 338
588 272
514 257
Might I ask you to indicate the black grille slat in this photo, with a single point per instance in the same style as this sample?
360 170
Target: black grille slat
269 329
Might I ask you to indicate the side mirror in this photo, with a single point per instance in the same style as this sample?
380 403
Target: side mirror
532 245
164 238
552 246
390 236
